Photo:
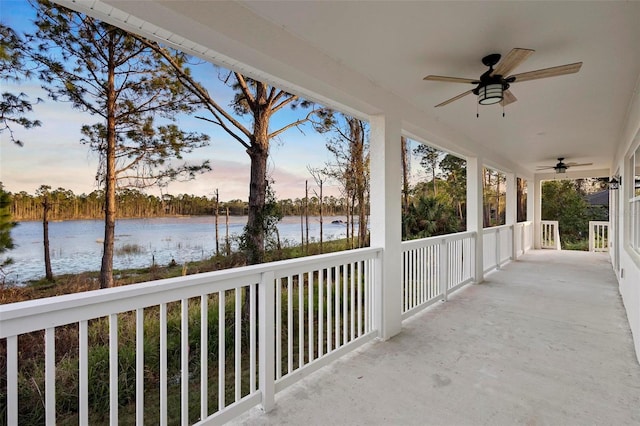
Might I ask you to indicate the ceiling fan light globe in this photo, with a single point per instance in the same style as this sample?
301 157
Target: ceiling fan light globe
490 94
561 169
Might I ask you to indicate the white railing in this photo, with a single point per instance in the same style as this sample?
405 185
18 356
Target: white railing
497 246
550 235
430 263
204 347
523 237
598 235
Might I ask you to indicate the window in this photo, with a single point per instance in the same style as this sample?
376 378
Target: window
634 200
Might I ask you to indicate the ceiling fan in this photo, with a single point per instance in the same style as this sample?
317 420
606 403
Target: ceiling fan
493 85
561 166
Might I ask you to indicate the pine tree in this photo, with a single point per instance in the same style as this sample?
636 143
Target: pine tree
257 101
105 71
14 107
6 225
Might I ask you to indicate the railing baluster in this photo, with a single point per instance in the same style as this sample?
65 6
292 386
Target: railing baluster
405 281
300 320
265 334
498 248
407 277
320 312
352 289
311 310
421 274
140 366
414 281
204 356
345 303
278 303
337 307
184 361
12 380
367 295
83 373
222 349
50 376
163 364
289 325
238 344
252 338
359 296
433 262
113 369
329 313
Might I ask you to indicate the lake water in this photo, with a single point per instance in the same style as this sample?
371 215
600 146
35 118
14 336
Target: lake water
76 245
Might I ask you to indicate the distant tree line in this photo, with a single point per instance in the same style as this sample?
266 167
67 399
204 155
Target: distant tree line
132 203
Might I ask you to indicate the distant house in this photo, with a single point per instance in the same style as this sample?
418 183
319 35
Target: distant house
598 205
598 198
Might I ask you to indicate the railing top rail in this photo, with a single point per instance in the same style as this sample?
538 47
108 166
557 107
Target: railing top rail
599 222
69 308
549 221
411 244
495 228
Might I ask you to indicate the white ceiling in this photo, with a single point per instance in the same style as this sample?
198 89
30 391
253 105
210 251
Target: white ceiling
390 46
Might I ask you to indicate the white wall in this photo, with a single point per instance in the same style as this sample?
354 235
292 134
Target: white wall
629 273
630 292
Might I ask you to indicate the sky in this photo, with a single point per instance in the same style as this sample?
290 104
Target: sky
53 155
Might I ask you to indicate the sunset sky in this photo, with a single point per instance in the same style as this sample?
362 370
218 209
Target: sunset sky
53 155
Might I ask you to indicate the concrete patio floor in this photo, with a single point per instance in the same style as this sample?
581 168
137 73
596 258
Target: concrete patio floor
544 341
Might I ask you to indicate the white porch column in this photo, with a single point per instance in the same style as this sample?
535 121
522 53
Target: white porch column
530 207
511 211
474 212
536 194
385 222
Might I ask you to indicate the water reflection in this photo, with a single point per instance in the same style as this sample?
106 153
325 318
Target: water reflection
76 246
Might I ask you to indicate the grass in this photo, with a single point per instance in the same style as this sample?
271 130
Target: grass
87 281
581 245
31 346
129 249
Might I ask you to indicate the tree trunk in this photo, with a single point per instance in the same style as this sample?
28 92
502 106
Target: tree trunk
354 243
321 218
405 179
521 200
216 215
227 242
362 219
45 228
348 225
257 190
106 270
306 214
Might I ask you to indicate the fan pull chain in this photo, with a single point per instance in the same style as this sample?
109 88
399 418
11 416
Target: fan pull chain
503 109
477 111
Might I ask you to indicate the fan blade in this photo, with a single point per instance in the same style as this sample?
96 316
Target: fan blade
548 72
545 167
455 98
508 98
578 164
511 61
450 79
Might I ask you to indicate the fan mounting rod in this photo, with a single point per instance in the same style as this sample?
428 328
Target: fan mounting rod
491 60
